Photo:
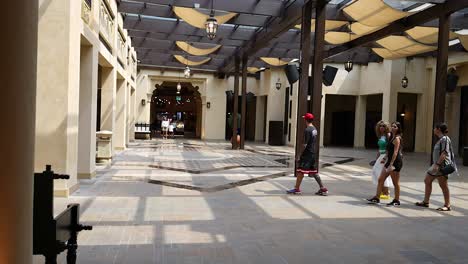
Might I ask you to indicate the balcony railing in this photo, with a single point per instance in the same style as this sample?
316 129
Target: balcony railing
86 11
106 20
133 67
122 49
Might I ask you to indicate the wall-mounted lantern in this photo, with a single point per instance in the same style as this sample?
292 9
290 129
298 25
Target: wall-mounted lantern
208 105
278 84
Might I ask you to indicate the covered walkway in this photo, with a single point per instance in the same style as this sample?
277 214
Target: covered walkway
234 210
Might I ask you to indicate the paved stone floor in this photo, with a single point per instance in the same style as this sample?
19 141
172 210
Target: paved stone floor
199 202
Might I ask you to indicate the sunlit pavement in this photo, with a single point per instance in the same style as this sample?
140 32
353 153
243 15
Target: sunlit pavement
200 202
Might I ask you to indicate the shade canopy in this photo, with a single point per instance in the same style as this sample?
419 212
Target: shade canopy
373 13
198 19
427 35
339 37
274 61
329 24
161 29
190 49
188 62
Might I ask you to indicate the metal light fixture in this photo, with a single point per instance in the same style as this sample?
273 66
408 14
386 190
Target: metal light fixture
187 72
404 81
211 24
278 84
179 87
348 66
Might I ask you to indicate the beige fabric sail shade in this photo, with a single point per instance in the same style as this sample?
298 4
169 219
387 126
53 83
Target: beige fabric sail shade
185 61
274 61
197 19
395 47
329 24
361 29
464 41
252 69
190 49
373 13
337 38
427 35
388 54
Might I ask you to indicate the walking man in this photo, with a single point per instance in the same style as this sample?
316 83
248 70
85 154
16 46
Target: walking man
308 158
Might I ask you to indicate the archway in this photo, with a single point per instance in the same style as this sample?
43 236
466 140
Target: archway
183 109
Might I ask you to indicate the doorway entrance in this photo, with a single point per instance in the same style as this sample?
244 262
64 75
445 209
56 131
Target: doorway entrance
373 116
339 120
182 109
406 115
251 113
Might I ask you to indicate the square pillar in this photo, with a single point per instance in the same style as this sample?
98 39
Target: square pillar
88 112
58 92
360 122
108 98
120 133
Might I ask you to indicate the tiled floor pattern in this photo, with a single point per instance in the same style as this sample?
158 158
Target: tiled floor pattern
138 222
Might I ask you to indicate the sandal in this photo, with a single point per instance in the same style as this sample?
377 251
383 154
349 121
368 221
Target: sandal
374 200
444 209
422 204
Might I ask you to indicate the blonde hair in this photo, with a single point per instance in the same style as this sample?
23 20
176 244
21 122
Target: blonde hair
377 128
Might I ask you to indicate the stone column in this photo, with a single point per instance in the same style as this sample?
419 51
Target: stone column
131 135
389 105
17 112
360 122
119 135
88 112
58 91
108 96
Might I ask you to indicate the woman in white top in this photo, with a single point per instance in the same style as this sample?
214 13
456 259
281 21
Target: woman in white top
382 130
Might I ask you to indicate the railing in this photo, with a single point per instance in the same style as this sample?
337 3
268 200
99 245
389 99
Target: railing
106 20
86 11
134 67
122 49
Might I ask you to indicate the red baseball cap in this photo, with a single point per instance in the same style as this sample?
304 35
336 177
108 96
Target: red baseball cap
308 116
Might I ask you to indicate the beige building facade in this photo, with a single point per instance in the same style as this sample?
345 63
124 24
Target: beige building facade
352 104
84 86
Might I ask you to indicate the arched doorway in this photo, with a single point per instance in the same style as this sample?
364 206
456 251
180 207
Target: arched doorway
183 109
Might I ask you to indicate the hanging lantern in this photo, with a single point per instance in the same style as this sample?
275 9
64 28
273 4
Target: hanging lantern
187 72
179 87
211 26
404 82
348 65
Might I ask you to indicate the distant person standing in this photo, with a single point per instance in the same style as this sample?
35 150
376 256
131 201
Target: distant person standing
308 158
231 125
382 130
164 127
171 129
443 166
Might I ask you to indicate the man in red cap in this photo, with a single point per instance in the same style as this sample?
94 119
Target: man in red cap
308 158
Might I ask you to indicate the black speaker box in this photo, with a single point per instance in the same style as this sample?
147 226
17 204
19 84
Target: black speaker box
275 133
292 73
452 80
221 75
329 74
